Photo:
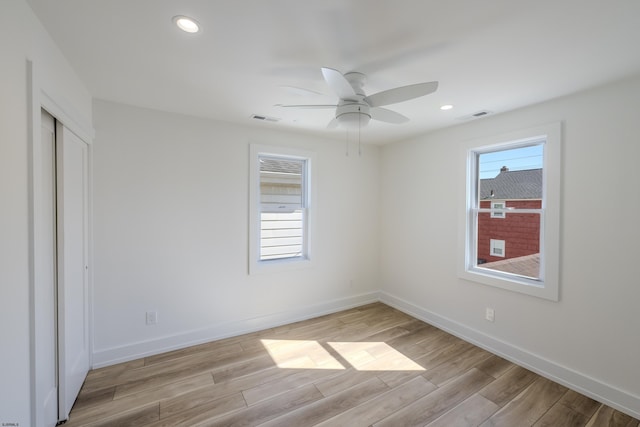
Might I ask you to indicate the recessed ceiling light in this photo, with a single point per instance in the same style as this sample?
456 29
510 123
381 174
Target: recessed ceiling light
186 24
446 107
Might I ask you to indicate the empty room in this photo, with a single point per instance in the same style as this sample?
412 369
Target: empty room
336 213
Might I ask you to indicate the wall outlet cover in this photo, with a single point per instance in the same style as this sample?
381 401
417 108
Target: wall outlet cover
490 314
152 317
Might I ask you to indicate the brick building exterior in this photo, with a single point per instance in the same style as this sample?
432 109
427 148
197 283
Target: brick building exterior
513 235
521 232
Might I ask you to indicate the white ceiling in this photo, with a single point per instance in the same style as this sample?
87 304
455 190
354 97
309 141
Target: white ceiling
494 55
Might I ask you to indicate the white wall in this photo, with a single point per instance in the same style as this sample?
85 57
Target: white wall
590 338
22 38
171 232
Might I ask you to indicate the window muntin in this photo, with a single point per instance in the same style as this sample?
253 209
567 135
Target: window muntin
534 273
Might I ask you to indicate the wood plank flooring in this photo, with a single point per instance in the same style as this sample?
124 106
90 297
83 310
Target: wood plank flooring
369 366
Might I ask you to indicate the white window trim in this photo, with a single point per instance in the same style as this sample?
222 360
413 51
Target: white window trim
548 285
257 266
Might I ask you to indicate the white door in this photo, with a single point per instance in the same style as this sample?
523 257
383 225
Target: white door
46 271
73 301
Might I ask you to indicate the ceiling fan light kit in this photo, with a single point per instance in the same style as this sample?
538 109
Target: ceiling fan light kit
353 115
355 109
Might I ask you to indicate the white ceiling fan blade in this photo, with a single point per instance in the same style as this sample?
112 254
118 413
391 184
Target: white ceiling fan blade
333 124
338 83
299 91
388 116
400 94
308 107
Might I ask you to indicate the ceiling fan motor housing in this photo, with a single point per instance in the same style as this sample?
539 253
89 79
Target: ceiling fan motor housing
353 114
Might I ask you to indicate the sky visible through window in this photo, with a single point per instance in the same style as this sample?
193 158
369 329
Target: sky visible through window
515 159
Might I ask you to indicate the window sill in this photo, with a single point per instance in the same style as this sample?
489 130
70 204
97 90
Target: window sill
511 282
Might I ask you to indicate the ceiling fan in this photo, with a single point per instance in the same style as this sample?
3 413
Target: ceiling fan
356 109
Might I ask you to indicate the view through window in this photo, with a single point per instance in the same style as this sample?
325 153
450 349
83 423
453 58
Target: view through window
509 222
508 209
282 207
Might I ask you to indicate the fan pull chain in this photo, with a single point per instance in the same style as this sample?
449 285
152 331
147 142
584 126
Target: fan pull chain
347 143
359 131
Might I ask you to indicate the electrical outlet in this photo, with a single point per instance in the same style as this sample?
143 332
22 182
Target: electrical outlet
490 314
152 317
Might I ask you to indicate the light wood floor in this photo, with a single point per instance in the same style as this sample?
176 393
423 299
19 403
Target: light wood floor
371 365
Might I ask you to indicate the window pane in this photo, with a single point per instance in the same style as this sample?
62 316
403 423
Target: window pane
281 184
281 235
510 244
282 206
510 241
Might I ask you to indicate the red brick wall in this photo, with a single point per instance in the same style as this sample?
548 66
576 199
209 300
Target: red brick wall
521 232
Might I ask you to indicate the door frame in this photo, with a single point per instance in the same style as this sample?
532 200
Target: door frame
39 98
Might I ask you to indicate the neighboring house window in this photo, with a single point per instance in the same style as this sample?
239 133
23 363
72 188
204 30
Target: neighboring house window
497 213
279 219
497 248
523 172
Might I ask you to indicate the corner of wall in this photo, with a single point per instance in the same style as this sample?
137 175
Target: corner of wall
598 390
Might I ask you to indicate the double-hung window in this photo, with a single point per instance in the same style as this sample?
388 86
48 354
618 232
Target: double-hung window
280 198
510 229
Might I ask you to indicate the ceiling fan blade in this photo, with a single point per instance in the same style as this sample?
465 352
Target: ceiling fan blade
338 83
333 124
299 91
308 107
388 116
400 94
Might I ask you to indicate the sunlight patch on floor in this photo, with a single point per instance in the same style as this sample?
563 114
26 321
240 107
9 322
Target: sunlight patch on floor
374 356
363 356
299 354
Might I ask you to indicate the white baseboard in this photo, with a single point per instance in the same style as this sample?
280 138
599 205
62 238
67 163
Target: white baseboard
133 351
577 381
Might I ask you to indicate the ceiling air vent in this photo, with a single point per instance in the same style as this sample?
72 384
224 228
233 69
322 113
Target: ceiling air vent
265 118
476 115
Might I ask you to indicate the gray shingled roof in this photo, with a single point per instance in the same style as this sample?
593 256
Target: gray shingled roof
270 164
523 184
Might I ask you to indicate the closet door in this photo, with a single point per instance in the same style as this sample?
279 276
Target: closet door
73 299
45 301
